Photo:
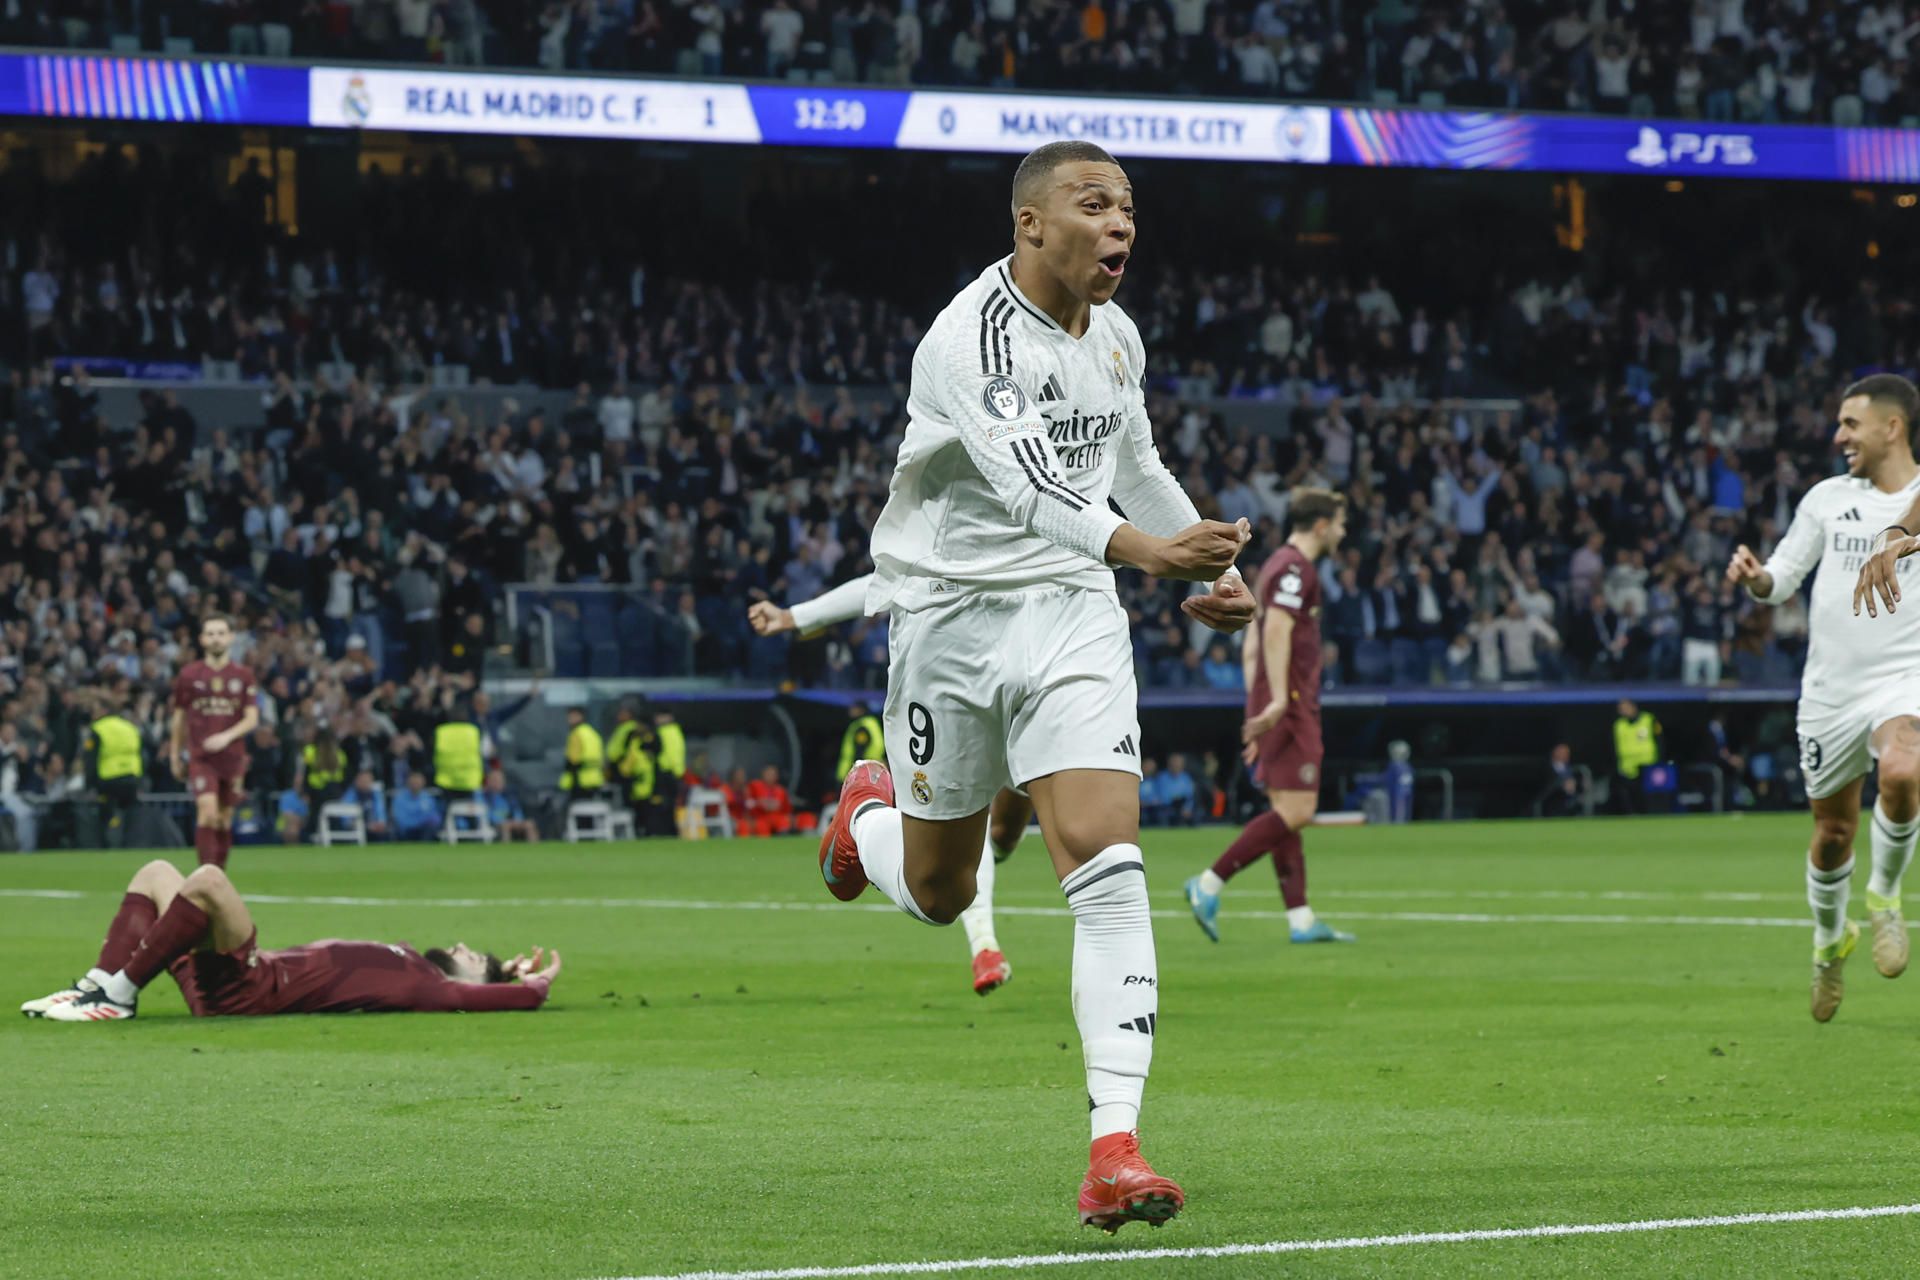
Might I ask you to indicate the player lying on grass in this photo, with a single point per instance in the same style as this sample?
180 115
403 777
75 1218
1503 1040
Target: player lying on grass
1011 811
1859 705
197 928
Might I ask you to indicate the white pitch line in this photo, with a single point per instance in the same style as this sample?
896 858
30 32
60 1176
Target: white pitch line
699 904
1027 1261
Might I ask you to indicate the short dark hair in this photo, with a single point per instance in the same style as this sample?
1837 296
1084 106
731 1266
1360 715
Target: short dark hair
442 959
1891 390
1043 160
217 617
1310 506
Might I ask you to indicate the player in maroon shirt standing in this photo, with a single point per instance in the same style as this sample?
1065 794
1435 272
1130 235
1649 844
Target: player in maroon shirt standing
1282 730
197 928
214 709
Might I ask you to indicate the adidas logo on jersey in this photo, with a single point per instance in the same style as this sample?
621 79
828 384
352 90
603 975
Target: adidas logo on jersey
1050 390
1126 747
1852 513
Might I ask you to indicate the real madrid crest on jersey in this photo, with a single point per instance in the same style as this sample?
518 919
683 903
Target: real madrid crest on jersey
922 790
1119 370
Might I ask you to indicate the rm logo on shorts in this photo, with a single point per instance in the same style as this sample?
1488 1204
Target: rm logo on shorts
922 790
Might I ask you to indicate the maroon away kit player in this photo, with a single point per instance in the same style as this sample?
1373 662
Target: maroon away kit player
1281 736
215 707
198 929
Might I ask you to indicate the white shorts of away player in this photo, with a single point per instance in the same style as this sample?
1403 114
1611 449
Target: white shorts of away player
1836 742
999 688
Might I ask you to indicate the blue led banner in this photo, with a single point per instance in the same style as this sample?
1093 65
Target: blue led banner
100 87
90 86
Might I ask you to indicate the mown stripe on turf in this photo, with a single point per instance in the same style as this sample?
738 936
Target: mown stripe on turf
1027 1261
698 904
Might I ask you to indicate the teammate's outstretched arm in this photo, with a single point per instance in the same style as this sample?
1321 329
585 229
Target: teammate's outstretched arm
1880 575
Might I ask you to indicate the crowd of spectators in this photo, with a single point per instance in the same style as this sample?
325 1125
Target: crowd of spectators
1749 60
1545 480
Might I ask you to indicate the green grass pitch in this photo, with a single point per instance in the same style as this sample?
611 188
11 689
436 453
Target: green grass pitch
1540 1024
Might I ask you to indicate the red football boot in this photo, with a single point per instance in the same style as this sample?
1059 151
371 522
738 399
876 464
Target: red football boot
1121 1187
990 970
839 860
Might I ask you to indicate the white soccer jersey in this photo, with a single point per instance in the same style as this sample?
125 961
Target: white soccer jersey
1017 435
1848 657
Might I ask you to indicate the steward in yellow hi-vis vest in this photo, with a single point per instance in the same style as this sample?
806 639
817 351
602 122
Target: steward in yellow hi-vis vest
586 754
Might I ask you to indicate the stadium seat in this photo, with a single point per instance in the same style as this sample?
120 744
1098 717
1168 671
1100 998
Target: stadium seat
706 814
341 822
1408 660
477 826
1371 663
595 820
604 659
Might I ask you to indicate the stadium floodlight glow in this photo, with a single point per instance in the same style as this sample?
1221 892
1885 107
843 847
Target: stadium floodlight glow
533 104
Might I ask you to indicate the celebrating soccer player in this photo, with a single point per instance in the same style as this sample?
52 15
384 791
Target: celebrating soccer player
214 709
1858 701
197 928
1281 736
1011 811
1011 660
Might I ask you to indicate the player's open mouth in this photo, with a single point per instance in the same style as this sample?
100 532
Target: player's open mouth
1114 264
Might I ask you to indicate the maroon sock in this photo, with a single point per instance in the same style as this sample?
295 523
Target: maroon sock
225 835
130 924
1255 840
206 842
1290 864
173 935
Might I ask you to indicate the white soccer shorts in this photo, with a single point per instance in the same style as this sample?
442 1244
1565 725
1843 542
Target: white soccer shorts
1836 743
999 688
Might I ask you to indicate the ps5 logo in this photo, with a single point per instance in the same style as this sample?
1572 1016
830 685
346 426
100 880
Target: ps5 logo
1653 152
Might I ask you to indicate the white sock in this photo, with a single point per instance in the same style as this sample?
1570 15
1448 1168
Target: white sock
1827 893
1116 982
1892 851
120 989
1300 918
1211 883
978 918
98 977
883 854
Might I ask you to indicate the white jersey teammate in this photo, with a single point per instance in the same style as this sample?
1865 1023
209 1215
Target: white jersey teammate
1010 812
1860 694
1010 660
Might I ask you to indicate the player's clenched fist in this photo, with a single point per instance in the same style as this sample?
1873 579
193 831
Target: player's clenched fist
1744 567
1202 552
1880 575
769 619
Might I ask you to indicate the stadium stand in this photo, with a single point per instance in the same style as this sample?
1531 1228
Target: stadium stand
1721 60
1547 463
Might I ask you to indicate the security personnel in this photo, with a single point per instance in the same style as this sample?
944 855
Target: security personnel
459 766
118 768
862 740
641 771
326 768
673 768
1636 745
586 769
625 723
